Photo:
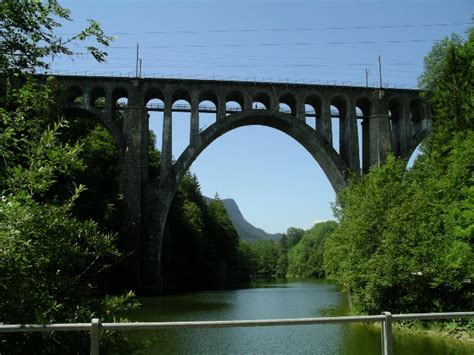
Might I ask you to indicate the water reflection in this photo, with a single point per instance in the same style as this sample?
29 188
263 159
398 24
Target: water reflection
280 299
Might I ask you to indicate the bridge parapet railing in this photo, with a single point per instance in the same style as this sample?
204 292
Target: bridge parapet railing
95 327
255 79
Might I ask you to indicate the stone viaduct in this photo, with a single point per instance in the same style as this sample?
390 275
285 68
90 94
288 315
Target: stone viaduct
392 120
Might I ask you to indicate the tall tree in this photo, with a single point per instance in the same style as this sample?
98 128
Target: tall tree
51 261
405 239
27 35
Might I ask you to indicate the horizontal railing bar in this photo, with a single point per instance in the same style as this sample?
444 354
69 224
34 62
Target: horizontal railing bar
16 328
241 323
27 328
425 316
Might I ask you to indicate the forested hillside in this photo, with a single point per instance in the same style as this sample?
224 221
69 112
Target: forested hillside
245 229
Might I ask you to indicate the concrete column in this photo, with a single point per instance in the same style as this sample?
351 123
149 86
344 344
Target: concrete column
404 130
87 98
398 132
300 113
166 148
380 144
428 119
247 103
220 108
323 122
133 181
273 104
349 140
194 132
365 145
109 106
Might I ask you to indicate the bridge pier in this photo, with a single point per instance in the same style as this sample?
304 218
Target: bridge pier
349 140
133 182
379 131
166 146
194 131
220 108
323 122
365 144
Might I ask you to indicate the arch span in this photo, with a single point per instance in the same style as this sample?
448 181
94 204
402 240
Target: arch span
94 113
332 164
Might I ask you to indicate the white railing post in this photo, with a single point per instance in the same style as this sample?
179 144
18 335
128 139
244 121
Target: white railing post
387 338
95 335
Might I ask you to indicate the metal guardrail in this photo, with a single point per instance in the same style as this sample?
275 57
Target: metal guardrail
95 327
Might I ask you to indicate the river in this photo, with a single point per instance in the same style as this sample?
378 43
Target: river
284 299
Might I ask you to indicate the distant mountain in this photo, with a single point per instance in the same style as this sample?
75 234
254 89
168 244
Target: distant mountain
246 230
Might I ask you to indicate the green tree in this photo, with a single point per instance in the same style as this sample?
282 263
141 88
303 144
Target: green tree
294 235
201 247
265 255
27 38
50 261
306 258
282 262
405 239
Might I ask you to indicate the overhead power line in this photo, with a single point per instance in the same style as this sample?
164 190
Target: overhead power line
288 29
277 44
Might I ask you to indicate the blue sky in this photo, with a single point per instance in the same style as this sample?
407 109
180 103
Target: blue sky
276 183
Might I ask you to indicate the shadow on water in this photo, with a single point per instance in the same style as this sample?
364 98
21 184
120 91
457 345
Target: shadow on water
270 300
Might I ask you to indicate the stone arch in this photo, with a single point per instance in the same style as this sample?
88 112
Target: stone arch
262 97
94 113
395 114
97 97
290 100
340 103
180 94
74 94
365 105
207 114
180 120
208 95
153 93
154 102
414 143
234 97
417 116
332 164
316 102
313 107
118 93
363 110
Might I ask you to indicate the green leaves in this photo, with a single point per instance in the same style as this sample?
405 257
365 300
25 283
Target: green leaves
27 39
405 239
306 258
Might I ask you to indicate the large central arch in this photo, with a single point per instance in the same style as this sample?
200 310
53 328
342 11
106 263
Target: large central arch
330 161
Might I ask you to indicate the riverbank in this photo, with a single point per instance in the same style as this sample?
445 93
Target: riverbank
456 330
450 329
461 330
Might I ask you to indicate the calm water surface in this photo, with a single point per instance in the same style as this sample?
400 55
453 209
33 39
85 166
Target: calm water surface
285 299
